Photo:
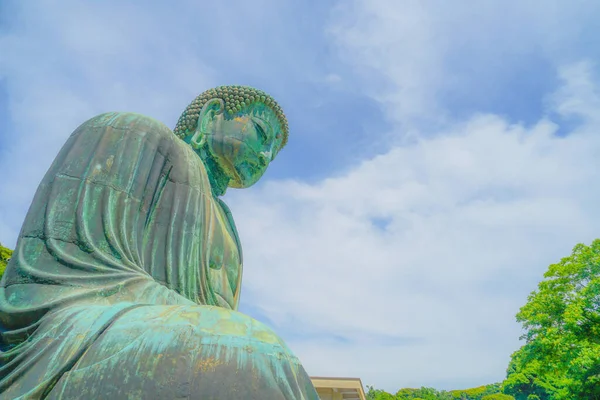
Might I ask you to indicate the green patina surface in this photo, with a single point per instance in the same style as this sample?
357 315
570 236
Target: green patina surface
126 276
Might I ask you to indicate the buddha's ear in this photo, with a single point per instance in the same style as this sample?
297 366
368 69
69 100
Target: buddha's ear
210 110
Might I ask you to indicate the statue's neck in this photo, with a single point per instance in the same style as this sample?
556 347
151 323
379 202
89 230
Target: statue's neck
217 178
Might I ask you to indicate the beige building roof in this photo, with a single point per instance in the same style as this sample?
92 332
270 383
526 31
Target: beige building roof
339 388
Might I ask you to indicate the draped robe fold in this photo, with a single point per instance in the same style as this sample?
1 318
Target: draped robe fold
126 277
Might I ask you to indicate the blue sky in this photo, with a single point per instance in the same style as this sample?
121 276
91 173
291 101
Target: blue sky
441 156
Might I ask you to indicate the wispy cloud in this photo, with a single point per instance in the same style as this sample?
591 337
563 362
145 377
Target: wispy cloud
435 61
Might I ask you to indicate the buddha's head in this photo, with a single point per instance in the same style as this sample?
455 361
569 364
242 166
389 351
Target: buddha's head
238 128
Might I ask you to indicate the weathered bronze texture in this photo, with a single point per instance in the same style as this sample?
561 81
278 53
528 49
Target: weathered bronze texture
126 276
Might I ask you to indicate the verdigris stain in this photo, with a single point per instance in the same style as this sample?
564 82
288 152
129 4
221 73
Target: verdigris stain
126 275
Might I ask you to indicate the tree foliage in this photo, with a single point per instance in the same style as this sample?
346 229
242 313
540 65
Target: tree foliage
5 255
498 396
561 356
476 393
424 393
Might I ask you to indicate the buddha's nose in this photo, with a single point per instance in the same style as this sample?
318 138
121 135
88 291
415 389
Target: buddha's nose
264 157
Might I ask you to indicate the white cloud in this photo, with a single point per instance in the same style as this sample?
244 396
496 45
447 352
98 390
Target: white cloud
475 215
413 54
578 98
392 42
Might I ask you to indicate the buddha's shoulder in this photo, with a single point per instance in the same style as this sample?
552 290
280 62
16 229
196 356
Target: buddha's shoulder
129 121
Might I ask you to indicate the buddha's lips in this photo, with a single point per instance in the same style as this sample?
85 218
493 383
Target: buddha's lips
229 167
243 172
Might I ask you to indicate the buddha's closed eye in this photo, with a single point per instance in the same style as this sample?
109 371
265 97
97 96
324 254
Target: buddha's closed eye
261 132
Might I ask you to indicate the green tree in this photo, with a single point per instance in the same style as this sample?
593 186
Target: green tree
423 393
561 356
498 396
5 255
476 393
378 394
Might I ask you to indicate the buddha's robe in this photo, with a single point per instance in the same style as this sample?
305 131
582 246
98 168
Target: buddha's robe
126 277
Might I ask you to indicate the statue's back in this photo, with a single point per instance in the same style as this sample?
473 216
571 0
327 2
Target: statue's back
111 291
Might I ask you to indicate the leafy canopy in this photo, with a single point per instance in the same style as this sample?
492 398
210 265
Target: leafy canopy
561 356
5 255
424 393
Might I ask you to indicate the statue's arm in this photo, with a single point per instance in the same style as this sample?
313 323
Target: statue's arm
232 226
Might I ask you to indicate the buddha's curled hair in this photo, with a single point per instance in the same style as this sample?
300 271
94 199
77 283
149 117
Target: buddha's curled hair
236 100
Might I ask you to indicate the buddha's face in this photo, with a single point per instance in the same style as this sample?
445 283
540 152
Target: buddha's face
243 146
